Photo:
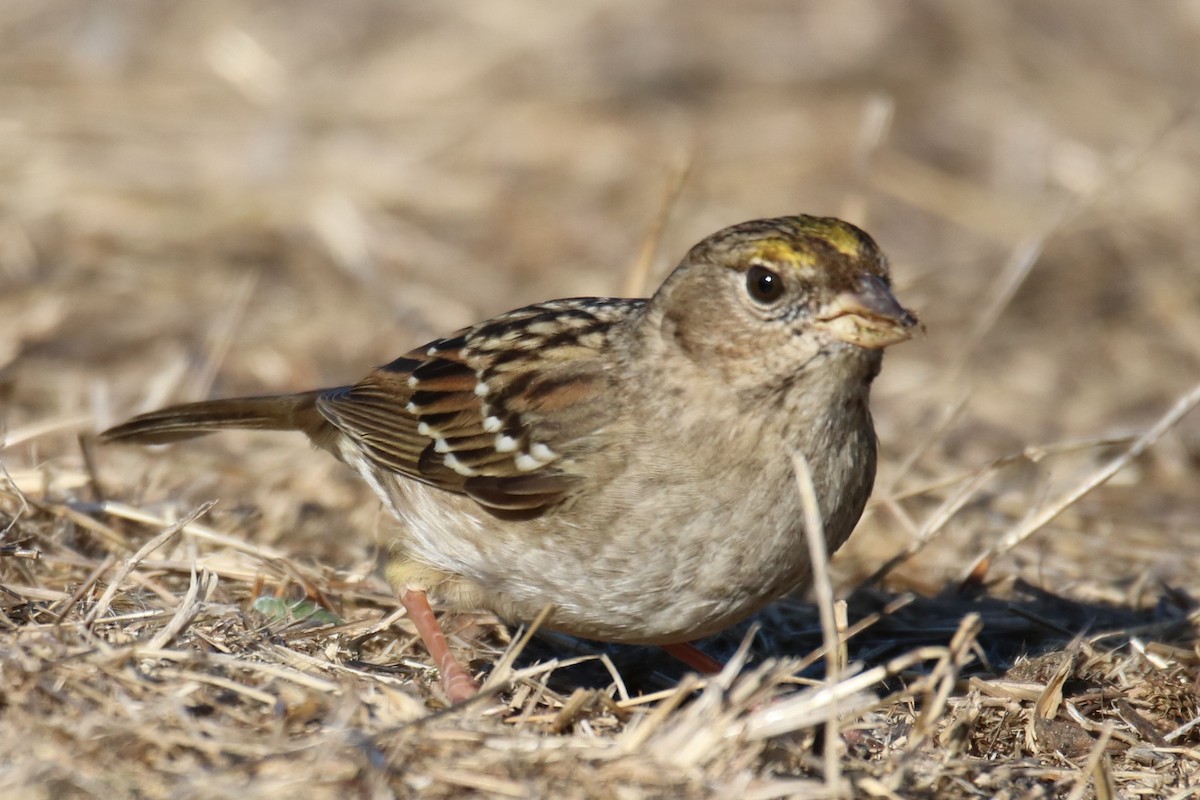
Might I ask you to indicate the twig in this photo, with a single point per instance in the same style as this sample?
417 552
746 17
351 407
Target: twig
944 677
639 274
1092 768
502 672
1037 521
17 436
84 587
128 512
131 563
188 609
814 536
221 336
810 707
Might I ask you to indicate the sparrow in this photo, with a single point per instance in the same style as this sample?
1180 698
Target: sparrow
626 464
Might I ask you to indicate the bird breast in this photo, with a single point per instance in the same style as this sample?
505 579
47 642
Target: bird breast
669 543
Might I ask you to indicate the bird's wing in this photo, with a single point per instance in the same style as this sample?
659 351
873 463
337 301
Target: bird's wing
496 412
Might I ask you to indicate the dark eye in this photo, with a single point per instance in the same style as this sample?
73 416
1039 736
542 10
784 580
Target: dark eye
764 285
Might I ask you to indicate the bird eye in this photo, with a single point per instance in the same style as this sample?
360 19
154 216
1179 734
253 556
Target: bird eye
764 285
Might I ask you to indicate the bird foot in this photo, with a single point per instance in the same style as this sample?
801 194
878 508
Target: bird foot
698 660
457 682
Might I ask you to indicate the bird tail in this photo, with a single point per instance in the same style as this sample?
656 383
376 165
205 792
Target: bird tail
280 412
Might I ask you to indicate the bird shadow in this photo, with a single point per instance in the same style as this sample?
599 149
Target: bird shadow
1024 621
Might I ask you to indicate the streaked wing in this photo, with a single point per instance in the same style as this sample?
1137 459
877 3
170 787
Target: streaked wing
495 412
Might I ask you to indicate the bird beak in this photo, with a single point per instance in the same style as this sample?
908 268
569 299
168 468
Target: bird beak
868 316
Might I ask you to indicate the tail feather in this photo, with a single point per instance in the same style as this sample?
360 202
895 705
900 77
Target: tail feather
282 412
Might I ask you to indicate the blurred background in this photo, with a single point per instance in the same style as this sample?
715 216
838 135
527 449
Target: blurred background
202 199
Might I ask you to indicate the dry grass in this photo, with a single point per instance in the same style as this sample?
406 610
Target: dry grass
206 199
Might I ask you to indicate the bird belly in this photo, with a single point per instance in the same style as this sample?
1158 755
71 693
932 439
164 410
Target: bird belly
609 582
649 566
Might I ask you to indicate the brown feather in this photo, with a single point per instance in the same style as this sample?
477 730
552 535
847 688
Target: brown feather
270 412
440 413
460 413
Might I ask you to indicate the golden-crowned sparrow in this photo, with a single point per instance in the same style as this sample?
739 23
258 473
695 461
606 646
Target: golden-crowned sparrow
627 463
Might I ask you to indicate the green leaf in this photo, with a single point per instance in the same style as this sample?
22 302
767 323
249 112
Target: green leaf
280 610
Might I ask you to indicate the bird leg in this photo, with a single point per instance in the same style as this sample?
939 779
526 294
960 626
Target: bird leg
457 683
689 654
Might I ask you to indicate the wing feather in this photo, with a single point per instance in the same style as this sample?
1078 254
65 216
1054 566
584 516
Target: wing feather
491 412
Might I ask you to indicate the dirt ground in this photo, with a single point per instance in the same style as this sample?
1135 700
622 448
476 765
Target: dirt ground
207 199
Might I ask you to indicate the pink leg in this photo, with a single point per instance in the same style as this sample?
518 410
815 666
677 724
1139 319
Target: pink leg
456 681
688 654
